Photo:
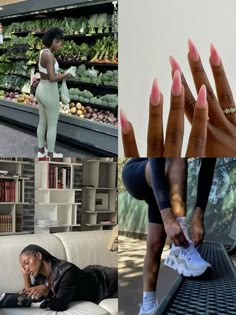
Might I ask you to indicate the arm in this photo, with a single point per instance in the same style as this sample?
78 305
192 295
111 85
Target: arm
159 183
53 77
161 189
205 178
204 182
64 294
27 281
26 278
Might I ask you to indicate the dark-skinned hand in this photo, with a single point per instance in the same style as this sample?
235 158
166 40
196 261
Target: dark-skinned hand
221 127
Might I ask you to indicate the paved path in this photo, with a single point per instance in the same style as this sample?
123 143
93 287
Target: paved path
131 255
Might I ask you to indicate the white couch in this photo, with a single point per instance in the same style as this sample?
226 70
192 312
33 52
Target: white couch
80 248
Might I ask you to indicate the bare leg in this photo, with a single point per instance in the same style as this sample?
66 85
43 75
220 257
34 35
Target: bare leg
155 243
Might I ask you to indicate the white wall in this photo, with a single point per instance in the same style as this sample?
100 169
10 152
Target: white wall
150 31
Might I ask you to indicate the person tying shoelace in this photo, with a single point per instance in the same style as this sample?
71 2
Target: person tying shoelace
161 183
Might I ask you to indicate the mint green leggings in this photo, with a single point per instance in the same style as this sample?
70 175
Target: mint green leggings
47 96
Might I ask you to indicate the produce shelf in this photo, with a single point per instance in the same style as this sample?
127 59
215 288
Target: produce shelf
87 63
66 37
112 109
18 58
17 74
100 138
22 33
87 36
98 88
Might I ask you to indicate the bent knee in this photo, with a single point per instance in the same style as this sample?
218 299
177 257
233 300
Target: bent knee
155 247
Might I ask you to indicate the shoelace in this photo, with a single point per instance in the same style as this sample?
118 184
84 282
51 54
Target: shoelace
190 253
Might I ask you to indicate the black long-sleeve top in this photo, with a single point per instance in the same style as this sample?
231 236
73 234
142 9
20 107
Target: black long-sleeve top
70 283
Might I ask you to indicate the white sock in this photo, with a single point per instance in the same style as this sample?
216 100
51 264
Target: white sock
183 225
149 299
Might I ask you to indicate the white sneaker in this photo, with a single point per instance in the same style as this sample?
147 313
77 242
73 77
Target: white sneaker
153 311
56 155
41 156
187 261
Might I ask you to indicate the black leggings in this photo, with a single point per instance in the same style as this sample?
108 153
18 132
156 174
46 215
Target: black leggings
134 180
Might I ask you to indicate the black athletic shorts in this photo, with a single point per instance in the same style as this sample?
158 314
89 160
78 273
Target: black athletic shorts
134 180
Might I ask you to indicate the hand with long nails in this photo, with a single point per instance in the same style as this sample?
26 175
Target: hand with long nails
221 126
172 145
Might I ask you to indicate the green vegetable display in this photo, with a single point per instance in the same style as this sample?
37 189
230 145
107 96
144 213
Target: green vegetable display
97 23
22 51
90 75
108 100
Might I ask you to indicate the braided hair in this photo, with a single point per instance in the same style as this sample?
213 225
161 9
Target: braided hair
34 249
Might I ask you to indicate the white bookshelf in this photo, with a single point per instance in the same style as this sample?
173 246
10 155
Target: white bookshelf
99 210
12 196
55 196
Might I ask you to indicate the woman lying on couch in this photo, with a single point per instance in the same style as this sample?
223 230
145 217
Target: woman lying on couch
58 282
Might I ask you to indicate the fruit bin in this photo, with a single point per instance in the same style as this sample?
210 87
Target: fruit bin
92 135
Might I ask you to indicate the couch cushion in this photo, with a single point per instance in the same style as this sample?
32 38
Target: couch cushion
88 248
76 308
111 305
10 247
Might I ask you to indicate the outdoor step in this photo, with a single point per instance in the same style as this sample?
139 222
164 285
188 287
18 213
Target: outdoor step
213 293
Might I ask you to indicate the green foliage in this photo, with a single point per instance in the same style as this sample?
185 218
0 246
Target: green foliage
222 200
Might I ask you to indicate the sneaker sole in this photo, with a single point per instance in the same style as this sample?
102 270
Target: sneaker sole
173 264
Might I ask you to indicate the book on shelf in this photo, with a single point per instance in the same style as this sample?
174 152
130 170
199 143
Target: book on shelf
59 177
5 223
7 190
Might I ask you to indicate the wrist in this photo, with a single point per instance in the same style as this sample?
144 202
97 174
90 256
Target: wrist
198 213
167 215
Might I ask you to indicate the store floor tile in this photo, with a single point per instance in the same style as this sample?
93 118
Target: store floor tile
18 142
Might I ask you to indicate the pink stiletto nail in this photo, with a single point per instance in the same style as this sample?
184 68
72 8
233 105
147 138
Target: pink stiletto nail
201 100
155 93
194 55
124 122
174 64
176 84
215 58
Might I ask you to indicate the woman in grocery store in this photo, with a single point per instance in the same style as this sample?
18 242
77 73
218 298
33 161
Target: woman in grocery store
58 282
47 93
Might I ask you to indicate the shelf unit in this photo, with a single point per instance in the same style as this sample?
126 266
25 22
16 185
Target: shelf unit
99 195
55 196
12 196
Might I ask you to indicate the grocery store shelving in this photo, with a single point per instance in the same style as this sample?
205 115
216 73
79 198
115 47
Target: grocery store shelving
93 135
87 63
97 137
102 89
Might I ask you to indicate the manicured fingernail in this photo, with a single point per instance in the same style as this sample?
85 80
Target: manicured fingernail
194 55
124 122
155 93
176 84
215 58
201 100
174 64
